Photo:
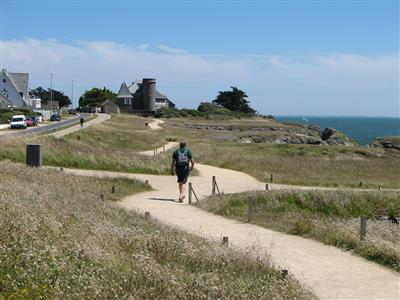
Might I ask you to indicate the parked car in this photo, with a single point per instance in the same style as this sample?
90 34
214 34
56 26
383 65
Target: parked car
18 121
35 120
28 122
55 117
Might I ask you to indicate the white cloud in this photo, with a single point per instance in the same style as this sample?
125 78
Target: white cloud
315 83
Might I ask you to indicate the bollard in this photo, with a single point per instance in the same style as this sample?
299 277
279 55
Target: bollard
113 189
34 155
190 193
250 211
363 228
225 240
284 273
213 186
272 177
267 187
102 198
147 215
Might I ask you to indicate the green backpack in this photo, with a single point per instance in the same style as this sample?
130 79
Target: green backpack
182 158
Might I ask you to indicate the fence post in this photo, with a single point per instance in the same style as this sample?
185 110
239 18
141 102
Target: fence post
272 177
225 240
154 152
363 228
190 193
360 184
34 155
102 197
213 186
250 210
113 189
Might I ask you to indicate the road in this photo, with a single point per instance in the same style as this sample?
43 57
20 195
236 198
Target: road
42 129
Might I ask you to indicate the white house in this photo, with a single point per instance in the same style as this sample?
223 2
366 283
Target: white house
14 87
35 103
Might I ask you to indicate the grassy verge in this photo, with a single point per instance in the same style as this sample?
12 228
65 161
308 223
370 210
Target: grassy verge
92 117
58 240
329 217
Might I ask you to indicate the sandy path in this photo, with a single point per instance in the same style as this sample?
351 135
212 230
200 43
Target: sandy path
99 119
329 271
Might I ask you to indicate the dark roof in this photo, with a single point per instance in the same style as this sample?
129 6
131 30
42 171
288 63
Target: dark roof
124 92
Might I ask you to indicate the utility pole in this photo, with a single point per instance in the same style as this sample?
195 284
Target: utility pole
51 93
72 93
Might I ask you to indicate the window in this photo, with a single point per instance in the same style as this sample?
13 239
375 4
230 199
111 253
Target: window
160 100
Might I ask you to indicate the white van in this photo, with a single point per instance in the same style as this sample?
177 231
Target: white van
18 121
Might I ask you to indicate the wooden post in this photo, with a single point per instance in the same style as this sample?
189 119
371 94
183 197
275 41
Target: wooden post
213 186
380 188
146 182
154 152
363 228
225 240
190 193
360 184
113 189
250 210
272 177
34 155
147 215
102 197
61 169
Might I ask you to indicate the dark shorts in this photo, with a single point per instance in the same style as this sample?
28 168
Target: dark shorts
182 173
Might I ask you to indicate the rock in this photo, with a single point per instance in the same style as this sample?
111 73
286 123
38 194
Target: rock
333 137
387 143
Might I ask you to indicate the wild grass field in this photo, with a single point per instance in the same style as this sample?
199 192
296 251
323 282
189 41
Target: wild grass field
113 146
330 217
311 165
59 240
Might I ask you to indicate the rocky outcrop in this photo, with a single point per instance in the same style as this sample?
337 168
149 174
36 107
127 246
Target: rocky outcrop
387 143
278 133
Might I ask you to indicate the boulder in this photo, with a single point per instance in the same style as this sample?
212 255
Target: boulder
387 143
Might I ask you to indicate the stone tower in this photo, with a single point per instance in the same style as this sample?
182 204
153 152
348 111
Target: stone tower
149 94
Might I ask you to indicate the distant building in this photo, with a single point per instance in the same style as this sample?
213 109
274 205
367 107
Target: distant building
51 105
109 107
5 103
14 87
35 103
142 97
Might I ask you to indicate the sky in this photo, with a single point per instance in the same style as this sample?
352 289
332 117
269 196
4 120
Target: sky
329 58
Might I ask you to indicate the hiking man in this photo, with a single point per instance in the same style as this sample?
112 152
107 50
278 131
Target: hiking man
81 121
180 164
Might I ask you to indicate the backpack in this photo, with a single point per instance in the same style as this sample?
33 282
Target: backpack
182 158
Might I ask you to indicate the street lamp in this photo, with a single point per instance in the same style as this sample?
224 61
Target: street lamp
51 92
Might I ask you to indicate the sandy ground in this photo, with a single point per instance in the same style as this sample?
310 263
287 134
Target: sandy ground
329 271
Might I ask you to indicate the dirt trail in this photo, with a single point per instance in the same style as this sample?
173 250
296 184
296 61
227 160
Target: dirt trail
99 119
329 271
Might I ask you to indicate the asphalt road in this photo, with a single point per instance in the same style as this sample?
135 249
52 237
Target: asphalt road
43 129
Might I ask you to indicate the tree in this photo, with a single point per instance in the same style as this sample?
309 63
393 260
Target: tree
45 95
95 97
234 100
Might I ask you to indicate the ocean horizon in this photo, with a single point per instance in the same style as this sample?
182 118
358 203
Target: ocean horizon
362 129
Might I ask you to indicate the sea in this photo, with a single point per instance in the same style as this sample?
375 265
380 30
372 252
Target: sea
362 129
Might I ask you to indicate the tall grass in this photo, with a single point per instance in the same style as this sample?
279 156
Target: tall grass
330 217
59 240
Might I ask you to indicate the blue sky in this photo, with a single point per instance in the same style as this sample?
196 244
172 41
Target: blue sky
291 57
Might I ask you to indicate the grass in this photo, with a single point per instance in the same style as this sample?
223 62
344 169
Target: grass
92 117
112 145
59 240
310 165
330 217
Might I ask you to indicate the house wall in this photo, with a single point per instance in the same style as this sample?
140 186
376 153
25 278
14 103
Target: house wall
9 91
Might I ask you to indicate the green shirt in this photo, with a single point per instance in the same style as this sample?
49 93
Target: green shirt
182 156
